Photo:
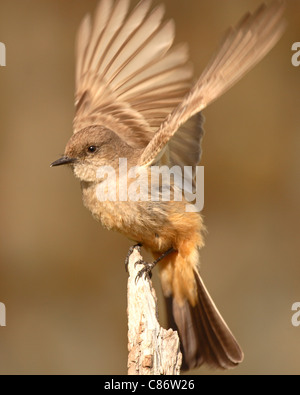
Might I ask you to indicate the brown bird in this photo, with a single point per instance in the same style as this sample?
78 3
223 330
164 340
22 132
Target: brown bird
135 100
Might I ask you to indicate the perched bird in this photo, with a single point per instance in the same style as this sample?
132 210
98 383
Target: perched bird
135 101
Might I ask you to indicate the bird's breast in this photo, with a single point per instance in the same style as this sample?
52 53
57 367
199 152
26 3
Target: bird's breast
146 222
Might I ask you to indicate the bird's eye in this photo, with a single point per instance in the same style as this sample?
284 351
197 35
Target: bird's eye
92 149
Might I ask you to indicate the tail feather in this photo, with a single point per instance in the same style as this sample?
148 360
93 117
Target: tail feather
204 335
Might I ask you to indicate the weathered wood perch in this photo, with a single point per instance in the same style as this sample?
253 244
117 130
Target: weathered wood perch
152 349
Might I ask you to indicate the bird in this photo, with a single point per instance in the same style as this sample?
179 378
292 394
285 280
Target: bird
135 100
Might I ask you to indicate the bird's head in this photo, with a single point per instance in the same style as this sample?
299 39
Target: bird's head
90 149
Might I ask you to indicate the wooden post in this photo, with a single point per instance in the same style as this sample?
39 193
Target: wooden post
152 349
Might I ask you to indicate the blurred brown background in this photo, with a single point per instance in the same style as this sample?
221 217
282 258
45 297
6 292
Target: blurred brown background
62 276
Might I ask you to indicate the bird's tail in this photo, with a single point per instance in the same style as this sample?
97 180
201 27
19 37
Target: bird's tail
204 335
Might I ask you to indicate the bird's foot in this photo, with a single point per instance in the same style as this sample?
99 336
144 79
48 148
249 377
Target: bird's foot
148 267
146 271
130 252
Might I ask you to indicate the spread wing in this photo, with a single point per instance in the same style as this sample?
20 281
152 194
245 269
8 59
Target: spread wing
242 48
129 78
184 148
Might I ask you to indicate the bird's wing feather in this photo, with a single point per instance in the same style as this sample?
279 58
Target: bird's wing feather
184 148
242 48
128 76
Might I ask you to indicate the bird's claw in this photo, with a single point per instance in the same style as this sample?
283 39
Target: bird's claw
146 271
130 252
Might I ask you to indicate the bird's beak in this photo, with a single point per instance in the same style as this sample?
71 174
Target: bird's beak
63 161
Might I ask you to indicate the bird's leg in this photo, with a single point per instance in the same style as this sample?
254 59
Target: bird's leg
148 267
131 249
